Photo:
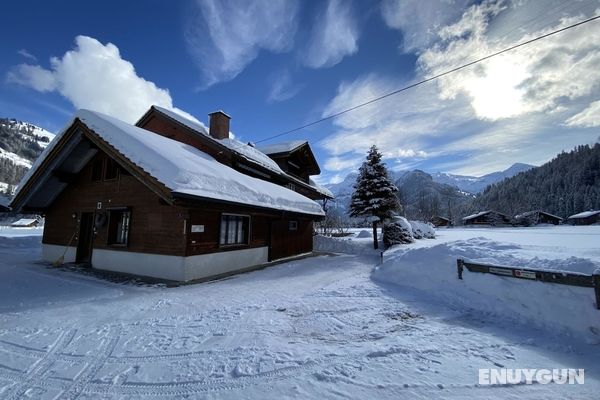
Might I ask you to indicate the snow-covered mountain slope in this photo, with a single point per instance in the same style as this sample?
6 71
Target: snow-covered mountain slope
474 184
20 144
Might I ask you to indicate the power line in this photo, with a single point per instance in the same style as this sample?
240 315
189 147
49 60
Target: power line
366 103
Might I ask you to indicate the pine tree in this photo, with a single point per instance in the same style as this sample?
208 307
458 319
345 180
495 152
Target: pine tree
374 193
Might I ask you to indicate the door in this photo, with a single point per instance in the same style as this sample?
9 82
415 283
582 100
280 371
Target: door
86 235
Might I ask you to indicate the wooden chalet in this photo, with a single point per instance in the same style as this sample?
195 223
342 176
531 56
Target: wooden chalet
492 218
585 218
536 217
167 198
439 221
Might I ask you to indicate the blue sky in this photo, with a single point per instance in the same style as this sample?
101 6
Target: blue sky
278 64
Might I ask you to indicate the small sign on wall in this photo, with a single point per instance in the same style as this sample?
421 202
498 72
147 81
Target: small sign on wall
197 228
99 205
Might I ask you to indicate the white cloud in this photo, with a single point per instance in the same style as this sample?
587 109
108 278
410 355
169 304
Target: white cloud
511 108
334 36
26 54
33 76
588 118
282 87
397 125
227 35
535 78
95 76
420 20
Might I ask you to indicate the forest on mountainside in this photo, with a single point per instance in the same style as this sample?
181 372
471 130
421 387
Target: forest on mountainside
566 185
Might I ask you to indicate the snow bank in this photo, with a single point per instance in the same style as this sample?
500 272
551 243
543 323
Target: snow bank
432 271
347 245
364 234
422 230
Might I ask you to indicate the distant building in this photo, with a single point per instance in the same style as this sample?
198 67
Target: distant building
25 223
537 217
585 218
438 221
493 218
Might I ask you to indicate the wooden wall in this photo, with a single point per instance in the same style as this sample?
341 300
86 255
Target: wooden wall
155 227
159 228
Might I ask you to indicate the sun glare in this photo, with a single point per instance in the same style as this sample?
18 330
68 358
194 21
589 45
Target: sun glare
496 93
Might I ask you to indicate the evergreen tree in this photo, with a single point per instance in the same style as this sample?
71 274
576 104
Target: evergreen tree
374 193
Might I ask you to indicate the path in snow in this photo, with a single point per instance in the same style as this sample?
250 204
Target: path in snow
316 327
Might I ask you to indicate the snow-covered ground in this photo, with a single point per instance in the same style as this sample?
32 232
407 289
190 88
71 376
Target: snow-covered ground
318 327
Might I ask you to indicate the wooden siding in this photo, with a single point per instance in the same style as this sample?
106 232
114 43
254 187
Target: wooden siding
266 229
155 227
286 242
173 130
159 228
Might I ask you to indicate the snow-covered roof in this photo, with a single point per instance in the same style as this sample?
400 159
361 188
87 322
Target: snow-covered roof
479 214
283 147
530 213
321 189
24 222
585 214
250 153
187 170
195 125
241 148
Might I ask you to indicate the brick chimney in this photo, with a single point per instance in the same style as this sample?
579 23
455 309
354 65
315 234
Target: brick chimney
219 125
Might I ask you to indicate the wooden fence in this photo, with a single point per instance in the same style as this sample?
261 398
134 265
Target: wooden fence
562 278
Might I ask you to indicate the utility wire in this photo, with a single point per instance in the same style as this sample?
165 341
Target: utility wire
437 76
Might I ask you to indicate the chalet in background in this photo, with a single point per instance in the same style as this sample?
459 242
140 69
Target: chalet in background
493 218
168 198
537 217
585 218
25 223
438 221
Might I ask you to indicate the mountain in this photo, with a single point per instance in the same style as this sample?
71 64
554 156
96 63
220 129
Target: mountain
566 185
474 184
419 194
422 197
20 145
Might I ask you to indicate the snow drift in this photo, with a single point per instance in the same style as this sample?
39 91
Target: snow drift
432 271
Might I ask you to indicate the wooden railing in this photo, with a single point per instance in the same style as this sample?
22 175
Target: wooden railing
549 276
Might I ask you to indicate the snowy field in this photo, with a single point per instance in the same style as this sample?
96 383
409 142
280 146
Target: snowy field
328 327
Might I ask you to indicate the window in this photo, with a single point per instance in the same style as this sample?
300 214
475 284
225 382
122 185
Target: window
234 229
112 170
118 227
293 225
97 170
291 186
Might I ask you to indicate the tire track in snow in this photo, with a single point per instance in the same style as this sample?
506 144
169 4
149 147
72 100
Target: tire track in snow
34 375
90 371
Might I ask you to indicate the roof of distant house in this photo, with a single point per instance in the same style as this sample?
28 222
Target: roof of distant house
24 222
585 214
530 213
481 213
